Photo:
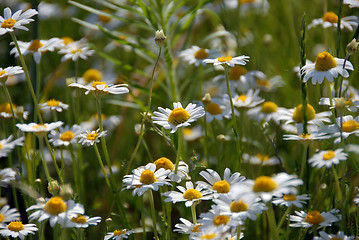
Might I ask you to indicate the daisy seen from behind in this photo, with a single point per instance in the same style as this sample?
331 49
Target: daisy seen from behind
327 158
178 117
17 229
6 145
313 218
118 234
10 21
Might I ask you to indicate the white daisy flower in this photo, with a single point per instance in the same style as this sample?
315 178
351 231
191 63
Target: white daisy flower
238 80
215 218
258 80
339 236
95 75
178 117
65 136
10 21
248 100
267 187
53 105
5 111
39 129
8 214
216 184
330 19
192 134
37 47
146 177
56 210
228 60
326 66
340 103
327 158
260 159
6 176
186 227
190 195
267 111
311 135
313 218
118 234
291 199
91 137
210 233
100 88
182 170
195 55
16 229
352 3
9 71
80 221
75 50
349 125
217 109
356 199
6 145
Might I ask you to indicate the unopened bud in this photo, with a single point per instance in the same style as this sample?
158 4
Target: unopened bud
37 180
3 201
53 187
160 37
352 47
340 104
206 99
222 138
66 191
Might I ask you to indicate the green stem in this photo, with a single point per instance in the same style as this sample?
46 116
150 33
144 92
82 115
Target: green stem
284 217
179 148
272 222
11 107
52 154
101 164
153 214
41 143
143 218
194 215
339 192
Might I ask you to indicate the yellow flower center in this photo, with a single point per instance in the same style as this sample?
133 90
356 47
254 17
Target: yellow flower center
324 62
201 54
79 219
209 236
314 217
336 238
264 184
242 98
298 113
147 177
96 83
40 126
92 136
262 157
214 108
328 155
225 59
5 107
196 228
119 232
67 136
35 45
306 136
187 131
53 103
349 103
15 226
263 82
164 163
269 107
8 23
236 72
92 75
178 116
2 218
77 50
220 220
289 197
350 126
55 206
330 17
238 206
2 73
67 40
221 186
191 194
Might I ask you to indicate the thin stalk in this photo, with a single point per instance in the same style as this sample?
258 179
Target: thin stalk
76 174
153 210
272 222
52 154
342 78
11 107
302 83
289 209
206 139
337 184
41 143
101 164
194 215
143 218
179 148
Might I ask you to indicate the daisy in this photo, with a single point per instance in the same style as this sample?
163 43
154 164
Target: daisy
356 199
190 195
327 158
260 159
75 50
6 176
351 3
266 111
8 214
65 136
216 184
118 234
10 21
325 66
330 19
217 108
313 218
53 105
305 137
39 129
195 55
146 177
187 227
291 199
340 103
192 134
89 76
237 77
37 47
258 80
56 210
349 125
81 221
267 187
182 169
108 122
5 111
209 233
91 137
101 88
9 71
17 229
215 218
178 117
248 100
6 145
339 236
228 60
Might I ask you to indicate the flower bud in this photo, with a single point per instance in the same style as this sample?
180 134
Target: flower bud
206 99
352 47
160 38
66 191
53 187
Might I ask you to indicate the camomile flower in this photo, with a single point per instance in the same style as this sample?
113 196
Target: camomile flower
352 3
80 221
186 227
192 134
146 177
9 71
195 55
259 80
267 111
248 100
16 229
349 125
190 194
91 137
330 19
6 145
53 105
10 21
65 136
327 158
339 236
39 129
325 66
101 88
95 75
228 60
216 184
8 214
6 176
313 218
260 159
5 111
118 234
356 199
75 49
210 233
55 209
217 108
182 169
340 103
178 117
215 218
291 199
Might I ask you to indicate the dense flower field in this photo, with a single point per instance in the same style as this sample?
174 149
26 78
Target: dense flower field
203 119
